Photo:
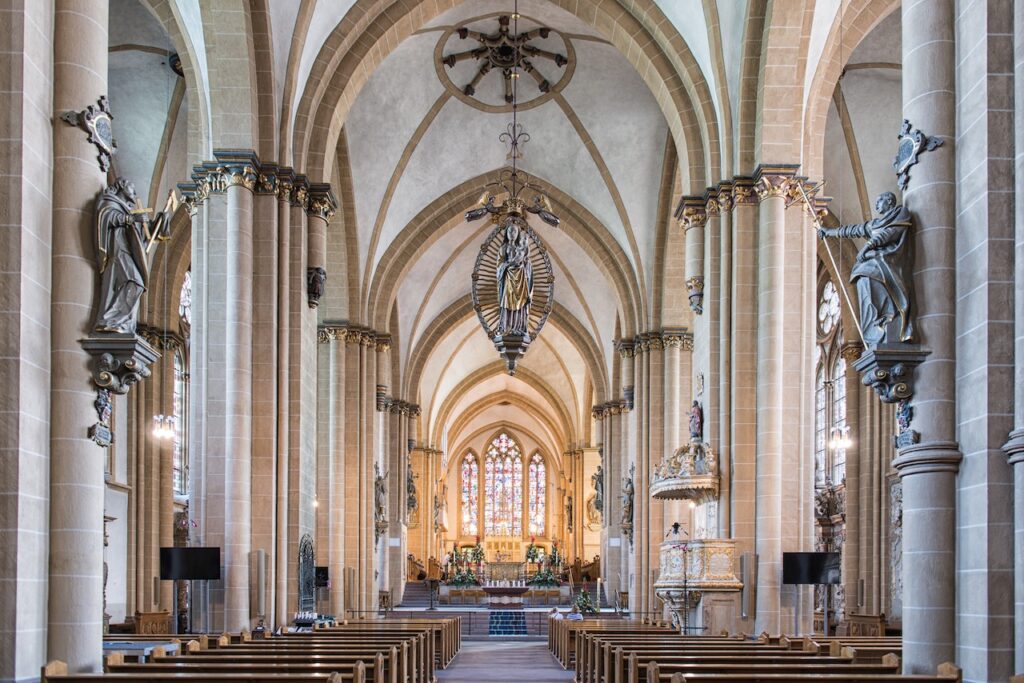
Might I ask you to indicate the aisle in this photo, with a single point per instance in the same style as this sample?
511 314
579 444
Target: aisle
497 660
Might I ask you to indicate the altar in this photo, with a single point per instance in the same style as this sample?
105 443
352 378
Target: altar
505 571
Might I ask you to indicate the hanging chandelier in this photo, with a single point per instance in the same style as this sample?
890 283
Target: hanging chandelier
513 283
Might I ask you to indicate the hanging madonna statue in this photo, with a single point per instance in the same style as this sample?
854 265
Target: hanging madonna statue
125 236
515 280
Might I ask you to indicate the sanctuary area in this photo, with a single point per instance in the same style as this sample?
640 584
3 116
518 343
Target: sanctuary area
505 340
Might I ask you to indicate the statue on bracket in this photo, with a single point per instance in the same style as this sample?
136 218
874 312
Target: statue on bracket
627 505
696 414
881 273
597 478
380 495
124 239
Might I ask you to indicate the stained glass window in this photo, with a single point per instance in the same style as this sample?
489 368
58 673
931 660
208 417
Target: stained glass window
538 491
828 308
820 429
185 305
470 495
179 462
503 488
839 418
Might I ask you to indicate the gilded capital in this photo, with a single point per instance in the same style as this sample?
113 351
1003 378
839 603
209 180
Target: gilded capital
300 192
691 213
743 192
775 181
322 202
725 201
267 180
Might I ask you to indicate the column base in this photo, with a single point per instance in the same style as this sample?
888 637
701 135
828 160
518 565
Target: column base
1014 448
924 458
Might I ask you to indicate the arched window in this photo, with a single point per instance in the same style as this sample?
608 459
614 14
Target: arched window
470 495
831 431
185 302
179 400
503 488
538 494
839 420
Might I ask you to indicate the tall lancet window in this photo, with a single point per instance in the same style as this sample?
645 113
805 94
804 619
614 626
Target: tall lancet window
832 433
538 494
470 495
503 488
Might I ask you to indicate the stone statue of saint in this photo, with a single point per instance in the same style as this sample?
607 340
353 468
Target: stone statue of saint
597 478
627 500
380 495
696 422
410 489
515 279
881 272
124 235
568 512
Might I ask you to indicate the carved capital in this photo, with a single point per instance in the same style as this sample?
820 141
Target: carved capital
625 348
382 342
774 181
164 340
285 183
299 196
851 351
238 168
322 202
743 192
691 213
677 339
725 200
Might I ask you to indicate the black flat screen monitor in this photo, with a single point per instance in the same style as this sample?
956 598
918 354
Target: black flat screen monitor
188 564
322 577
811 568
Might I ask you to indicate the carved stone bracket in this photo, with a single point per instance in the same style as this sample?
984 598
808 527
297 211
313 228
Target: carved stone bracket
119 360
889 369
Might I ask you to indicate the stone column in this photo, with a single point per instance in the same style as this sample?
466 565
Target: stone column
780 336
1015 446
265 356
693 218
929 468
335 503
26 65
322 206
281 565
857 470
75 600
237 390
743 359
724 369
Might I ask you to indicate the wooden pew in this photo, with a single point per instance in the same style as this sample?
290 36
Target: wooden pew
946 672
58 671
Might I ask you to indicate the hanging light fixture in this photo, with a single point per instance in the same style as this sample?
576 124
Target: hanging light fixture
839 438
513 282
163 426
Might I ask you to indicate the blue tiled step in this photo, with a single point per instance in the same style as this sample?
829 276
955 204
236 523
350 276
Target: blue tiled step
506 623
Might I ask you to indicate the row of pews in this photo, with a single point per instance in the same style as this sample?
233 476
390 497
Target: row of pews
391 651
623 651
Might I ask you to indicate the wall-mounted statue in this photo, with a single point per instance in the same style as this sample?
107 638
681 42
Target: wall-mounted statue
627 505
380 497
597 478
411 502
696 414
515 280
124 239
568 513
881 272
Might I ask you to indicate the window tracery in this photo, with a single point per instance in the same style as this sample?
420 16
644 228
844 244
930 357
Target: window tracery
503 488
470 495
538 492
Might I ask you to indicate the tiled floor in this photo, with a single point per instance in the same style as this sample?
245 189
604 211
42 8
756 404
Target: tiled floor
494 660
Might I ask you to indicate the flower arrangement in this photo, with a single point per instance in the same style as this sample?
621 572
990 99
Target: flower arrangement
476 553
464 577
555 556
533 552
583 603
545 578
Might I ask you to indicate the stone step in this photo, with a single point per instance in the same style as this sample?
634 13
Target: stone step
506 623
